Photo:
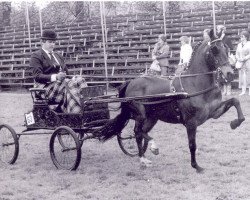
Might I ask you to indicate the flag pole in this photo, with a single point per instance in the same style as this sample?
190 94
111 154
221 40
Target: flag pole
164 17
214 20
28 23
40 20
104 43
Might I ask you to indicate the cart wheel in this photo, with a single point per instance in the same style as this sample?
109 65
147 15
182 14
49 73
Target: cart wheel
9 145
79 136
65 148
127 142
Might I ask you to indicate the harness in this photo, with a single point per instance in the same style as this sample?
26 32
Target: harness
181 76
216 75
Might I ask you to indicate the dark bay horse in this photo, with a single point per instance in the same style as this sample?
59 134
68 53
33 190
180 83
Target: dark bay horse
204 100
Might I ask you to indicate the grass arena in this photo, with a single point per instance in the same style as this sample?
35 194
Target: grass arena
105 172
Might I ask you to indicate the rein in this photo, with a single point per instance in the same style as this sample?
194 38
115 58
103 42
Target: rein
187 95
190 75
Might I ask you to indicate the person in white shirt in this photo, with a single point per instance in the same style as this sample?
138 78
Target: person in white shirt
185 54
243 61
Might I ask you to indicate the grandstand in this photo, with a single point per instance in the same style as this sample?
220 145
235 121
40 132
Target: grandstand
130 42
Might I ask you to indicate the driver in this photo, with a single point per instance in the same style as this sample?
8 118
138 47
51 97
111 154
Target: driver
49 71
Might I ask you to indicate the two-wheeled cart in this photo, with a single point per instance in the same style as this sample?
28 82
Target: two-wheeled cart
69 131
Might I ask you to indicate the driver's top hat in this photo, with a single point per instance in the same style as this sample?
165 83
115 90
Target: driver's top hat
49 35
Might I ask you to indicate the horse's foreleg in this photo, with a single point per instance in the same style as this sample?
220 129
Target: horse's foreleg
191 131
224 107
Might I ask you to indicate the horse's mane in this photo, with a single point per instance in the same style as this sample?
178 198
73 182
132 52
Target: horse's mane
193 53
209 57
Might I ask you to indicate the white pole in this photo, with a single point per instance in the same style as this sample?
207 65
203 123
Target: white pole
164 17
104 22
104 44
40 20
214 23
28 22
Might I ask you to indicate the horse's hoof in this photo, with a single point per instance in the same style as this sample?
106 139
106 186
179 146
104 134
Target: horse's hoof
145 162
142 166
200 170
155 151
145 165
235 123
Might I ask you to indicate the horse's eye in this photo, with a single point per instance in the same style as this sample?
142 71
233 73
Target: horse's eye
215 50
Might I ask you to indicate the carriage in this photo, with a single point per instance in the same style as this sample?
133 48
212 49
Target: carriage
68 130
189 99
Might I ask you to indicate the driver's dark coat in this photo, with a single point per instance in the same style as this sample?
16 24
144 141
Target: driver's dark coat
43 66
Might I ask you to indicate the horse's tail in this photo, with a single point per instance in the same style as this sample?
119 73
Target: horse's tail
116 125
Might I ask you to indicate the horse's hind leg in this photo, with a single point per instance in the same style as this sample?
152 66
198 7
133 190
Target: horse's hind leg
139 138
147 126
224 107
191 131
142 127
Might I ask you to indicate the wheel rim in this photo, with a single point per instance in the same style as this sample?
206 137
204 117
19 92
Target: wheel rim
9 147
65 149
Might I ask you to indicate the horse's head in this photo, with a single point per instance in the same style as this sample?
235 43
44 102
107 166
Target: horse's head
217 58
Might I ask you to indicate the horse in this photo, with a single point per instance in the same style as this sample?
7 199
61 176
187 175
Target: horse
200 81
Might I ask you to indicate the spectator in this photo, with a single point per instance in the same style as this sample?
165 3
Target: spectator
243 61
206 36
185 54
160 55
220 30
49 71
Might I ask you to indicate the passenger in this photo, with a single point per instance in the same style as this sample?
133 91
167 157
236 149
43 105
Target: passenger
243 61
220 30
185 54
160 55
49 71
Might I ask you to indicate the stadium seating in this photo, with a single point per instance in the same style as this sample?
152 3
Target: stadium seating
128 50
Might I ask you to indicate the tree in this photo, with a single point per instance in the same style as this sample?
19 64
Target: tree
5 10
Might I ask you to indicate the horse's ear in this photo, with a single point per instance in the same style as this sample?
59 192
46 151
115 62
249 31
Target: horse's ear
213 35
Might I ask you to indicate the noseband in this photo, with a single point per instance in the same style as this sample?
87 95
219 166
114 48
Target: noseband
216 61
218 69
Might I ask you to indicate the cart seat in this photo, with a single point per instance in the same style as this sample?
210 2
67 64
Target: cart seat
38 96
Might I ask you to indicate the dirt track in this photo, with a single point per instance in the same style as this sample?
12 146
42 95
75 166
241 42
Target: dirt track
106 173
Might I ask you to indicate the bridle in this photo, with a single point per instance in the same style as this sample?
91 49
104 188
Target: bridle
217 73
